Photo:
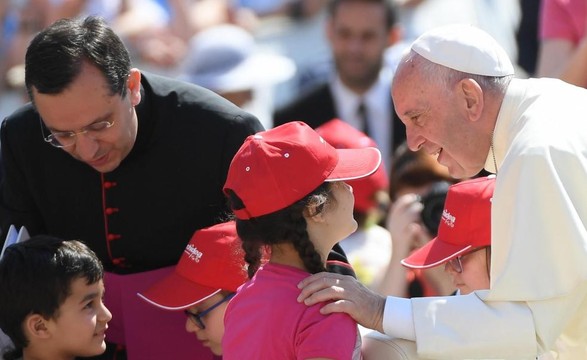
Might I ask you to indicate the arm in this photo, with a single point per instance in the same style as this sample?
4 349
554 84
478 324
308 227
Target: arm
563 53
559 58
17 206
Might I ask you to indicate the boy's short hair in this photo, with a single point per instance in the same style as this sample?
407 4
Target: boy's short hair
36 277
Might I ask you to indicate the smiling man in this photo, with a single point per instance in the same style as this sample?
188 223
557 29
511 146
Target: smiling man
131 162
457 96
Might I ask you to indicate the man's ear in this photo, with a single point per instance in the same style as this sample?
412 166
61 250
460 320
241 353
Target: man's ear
473 96
36 326
134 86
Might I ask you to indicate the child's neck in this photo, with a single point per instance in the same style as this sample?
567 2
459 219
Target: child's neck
286 254
31 354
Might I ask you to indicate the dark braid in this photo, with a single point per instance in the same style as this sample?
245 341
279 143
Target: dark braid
301 242
284 226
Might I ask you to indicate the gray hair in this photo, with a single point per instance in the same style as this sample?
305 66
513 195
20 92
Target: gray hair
447 77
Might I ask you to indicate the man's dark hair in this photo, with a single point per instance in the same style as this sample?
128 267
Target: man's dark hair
36 277
389 8
55 56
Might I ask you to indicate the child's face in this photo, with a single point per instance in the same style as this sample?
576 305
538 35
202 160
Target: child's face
475 274
80 324
339 213
211 336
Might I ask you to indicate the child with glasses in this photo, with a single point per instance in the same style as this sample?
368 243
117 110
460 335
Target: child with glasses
51 293
463 246
286 187
209 271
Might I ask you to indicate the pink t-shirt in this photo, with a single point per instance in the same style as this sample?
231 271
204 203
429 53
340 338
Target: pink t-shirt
563 19
265 321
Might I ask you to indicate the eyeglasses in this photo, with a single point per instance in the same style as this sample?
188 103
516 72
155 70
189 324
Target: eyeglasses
61 139
457 264
197 318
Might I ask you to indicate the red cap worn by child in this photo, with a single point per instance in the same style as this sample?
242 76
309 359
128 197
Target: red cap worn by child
275 168
465 224
342 135
212 261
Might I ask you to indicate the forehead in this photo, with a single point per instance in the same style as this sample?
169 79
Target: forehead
360 15
79 289
81 103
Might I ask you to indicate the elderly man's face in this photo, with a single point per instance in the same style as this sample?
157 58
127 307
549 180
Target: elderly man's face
436 120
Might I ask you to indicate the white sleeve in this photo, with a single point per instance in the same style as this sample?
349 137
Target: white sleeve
458 327
397 318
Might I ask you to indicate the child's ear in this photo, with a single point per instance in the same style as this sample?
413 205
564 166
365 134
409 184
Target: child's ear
36 326
311 213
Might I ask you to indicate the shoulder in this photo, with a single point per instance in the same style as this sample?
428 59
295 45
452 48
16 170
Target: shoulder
173 97
22 122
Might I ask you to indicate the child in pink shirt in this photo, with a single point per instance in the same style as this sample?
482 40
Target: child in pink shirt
287 191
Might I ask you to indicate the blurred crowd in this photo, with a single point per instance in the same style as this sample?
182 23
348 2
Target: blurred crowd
163 38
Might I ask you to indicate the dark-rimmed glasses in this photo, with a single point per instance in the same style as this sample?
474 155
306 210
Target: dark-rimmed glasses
61 139
197 318
457 264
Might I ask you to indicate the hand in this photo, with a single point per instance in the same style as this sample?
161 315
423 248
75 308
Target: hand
404 225
349 295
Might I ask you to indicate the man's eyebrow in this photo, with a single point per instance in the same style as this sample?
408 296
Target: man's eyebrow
101 118
89 296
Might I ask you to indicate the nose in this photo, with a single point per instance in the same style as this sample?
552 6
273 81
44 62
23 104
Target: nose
85 147
414 140
105 315
190 326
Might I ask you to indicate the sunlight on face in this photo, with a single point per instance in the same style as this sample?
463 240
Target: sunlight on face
81 322
475 274
436 121
85 101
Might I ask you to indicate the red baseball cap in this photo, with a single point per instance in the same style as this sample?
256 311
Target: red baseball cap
465 224
212 261
275 168
342 135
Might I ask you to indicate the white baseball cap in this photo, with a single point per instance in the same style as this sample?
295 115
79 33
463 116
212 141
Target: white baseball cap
225 58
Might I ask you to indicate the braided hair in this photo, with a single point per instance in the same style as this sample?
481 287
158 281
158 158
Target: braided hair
287 225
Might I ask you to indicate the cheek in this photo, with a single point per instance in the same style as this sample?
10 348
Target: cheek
215 326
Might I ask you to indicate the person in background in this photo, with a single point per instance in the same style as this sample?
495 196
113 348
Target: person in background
418 189
287 191
226 60
131 162
51 293
369 248
357 91
462 248
207 276
456 92
563 41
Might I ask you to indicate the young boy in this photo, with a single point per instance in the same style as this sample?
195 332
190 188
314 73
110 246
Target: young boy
210 270
51 305
463 246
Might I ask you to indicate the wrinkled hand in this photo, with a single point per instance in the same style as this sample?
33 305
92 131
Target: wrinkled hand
348 296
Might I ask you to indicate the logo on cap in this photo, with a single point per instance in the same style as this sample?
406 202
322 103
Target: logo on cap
448 218
193 253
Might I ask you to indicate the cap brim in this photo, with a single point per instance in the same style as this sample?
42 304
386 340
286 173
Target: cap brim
434 253
176 293
355 164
